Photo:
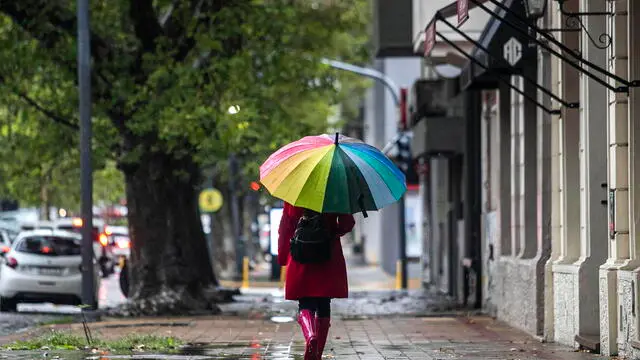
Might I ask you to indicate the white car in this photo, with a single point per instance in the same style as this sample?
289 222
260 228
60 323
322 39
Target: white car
43 266
102 252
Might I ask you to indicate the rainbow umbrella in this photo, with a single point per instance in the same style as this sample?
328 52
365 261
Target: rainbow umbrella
333 175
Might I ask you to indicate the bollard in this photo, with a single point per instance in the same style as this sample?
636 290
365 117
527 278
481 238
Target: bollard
283 276
245 272
399 275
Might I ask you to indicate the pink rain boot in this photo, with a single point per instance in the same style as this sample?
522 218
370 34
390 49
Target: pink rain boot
306 319
322 328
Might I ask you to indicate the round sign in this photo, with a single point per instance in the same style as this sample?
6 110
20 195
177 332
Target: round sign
210 200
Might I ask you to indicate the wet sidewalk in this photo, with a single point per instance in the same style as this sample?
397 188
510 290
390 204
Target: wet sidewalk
368 326
429 338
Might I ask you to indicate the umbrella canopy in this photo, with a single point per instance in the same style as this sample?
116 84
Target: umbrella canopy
333 174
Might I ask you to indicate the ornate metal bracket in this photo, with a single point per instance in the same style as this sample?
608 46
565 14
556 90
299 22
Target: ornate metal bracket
502 79
574 23
579 63
573 105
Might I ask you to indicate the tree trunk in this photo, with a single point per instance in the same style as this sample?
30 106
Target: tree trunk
170 270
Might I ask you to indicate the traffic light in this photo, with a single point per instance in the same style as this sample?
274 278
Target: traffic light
404 158
255 186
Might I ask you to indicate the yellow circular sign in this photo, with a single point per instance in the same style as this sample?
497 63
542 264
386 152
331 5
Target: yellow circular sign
210 200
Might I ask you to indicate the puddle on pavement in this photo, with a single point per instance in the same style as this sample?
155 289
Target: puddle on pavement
211 354
402 348
282 319
251 350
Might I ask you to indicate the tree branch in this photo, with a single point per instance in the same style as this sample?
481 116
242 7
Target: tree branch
29 15
145 23
50 114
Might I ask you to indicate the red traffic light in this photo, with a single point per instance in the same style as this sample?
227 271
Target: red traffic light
255 186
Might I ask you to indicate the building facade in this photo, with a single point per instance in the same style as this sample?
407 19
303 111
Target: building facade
533 219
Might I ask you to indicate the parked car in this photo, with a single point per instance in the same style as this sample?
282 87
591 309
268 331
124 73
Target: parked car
42 266
5 241
102 252
118 241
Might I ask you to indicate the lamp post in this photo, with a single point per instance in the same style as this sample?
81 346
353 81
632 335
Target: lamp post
399 98
86 184
535 8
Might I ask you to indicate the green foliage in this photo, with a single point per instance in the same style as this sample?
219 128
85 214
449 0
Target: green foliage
61 340
166 86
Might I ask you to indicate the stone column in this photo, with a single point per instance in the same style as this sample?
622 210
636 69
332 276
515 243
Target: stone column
593 178
553 80
618 180
629 273
544 197
564 273
548 229
517 169
504 103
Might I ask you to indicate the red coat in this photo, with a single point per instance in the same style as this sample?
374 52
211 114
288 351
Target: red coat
314 280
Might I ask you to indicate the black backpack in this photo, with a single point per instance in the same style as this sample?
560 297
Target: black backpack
311 242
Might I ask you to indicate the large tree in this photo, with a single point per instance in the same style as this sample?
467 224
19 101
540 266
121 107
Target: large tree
164 73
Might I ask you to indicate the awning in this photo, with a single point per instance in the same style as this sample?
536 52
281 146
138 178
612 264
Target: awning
507 51
426 11
505 48
517 22
499 77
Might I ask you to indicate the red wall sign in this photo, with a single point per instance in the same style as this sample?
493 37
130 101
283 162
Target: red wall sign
429 38
463 11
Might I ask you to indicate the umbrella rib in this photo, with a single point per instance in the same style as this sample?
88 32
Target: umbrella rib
306 177
362 186
386 167
374 177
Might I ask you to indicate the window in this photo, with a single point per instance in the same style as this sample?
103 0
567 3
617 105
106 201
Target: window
49 245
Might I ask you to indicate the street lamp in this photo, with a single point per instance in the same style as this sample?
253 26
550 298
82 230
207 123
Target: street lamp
535 8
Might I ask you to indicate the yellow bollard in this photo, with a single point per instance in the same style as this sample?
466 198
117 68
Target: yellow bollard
245 272
283 276
399 275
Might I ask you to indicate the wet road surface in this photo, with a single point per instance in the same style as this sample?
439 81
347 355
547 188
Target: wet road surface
30 315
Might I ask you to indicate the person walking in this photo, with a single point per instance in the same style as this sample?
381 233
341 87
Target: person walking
309 246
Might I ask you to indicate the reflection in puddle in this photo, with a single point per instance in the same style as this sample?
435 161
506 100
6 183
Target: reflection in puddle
281 319
253 350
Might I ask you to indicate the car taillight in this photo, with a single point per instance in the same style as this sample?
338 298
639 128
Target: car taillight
123 244
4 249
104 240
45 250
12 262
77 223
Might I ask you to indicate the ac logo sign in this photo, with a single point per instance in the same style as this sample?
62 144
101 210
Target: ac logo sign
512 51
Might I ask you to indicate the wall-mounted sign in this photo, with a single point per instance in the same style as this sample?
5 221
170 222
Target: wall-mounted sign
210 200
429 38
463 11
512 51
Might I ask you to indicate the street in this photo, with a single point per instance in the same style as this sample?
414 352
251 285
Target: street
30 315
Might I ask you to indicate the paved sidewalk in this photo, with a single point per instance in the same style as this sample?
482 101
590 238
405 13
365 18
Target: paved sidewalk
412 325
265 303
430 338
